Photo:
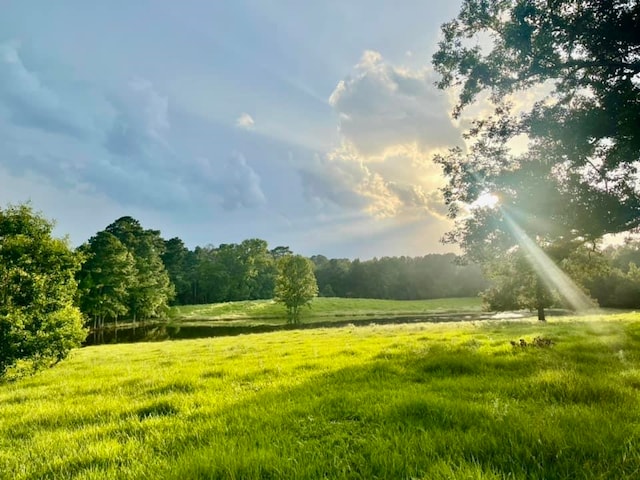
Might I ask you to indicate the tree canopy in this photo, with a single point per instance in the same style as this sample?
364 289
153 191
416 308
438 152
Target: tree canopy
39 323
151 290
577 178
296 284
106 278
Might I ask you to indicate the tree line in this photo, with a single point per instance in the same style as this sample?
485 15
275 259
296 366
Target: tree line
132 272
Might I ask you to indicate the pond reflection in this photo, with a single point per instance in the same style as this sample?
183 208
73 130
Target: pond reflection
157 332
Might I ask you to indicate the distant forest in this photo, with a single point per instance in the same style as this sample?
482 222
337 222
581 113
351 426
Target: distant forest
132 272
247 271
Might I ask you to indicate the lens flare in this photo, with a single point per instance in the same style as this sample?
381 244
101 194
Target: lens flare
486 200
548 271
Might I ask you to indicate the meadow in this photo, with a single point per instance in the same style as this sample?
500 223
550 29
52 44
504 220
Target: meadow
419 401
252 312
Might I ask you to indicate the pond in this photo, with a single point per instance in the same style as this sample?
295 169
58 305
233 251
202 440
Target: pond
157 332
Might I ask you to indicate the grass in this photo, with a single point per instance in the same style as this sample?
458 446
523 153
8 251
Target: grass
254 312
423 401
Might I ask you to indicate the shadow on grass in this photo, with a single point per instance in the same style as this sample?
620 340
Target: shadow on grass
441 412
445 414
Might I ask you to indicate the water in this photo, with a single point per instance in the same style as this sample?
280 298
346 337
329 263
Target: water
157 332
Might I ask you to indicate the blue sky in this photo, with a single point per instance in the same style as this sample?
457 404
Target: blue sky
307 124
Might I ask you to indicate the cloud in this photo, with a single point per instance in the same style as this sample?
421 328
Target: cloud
29 101
335 179
141 120
380 105
341 178
391 122
235 185
56 170
133 162
241 185
245 121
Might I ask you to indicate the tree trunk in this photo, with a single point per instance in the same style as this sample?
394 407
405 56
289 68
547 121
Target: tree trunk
540 299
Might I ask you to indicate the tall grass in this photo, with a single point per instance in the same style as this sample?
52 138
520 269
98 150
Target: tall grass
415 401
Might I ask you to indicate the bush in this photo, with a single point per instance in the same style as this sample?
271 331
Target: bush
39 322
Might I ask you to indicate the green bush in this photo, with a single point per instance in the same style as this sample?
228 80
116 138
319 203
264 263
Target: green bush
39 322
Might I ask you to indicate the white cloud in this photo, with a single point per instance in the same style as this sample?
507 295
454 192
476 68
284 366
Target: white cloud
391 122
245 121
382 105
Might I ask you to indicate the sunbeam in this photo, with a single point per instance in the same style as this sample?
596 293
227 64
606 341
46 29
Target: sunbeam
548 271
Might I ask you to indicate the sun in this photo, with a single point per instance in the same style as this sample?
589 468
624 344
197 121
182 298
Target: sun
486 200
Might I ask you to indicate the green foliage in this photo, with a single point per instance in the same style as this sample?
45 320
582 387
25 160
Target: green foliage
295 284
246 271
445 401
400 278
576 179
39 323
106 278
229 272
151 290
627 291
327 291
178 261
610 276
515 285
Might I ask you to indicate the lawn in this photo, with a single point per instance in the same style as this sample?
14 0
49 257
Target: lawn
321 309
427 401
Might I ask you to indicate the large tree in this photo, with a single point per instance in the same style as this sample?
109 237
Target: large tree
574 177
106 278
152 289
577 179
38 320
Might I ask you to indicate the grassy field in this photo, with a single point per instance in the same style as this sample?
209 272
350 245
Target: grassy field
427 401
321 309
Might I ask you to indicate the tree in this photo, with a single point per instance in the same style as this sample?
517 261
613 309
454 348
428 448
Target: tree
152 290
38 320
612 276
280 251
516 285
106 278
576 179
176 261
295 284
332 272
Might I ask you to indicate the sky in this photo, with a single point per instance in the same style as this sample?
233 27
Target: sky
306 124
